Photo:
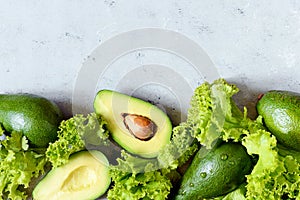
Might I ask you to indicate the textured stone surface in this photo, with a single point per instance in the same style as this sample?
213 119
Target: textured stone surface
255 44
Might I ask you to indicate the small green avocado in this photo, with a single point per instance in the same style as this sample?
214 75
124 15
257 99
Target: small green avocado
281 113
85 176
215 173
138 126
34 116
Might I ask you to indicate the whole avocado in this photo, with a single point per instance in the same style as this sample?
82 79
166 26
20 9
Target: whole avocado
281 114
34 116
216 173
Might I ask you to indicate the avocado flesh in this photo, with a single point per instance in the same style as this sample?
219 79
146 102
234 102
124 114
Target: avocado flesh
84 177
281 113
34 116
112 106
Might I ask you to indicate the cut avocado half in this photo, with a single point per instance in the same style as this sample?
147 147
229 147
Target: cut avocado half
136 125
85 176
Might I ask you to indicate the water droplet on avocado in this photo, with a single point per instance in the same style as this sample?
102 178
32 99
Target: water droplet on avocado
224 157
183 192
191 184
203 174
231 162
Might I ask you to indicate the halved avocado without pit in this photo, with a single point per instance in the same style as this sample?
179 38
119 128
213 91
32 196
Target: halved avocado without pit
136 125
85 176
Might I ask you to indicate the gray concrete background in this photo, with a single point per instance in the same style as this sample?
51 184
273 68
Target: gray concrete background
255 44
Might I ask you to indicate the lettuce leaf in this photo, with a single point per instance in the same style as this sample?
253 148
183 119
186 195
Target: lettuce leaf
148 185
214 114
179 150
19 164
138 178
74 135
274 176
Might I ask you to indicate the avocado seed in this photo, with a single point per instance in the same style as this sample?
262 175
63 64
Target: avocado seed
139 126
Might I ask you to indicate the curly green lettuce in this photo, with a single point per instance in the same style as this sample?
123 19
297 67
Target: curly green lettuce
149 185
138 178
74 135
213 113
180 149
19 164
275 175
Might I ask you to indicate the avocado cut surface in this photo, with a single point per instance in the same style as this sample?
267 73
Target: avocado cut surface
281 114
136 125
84 177
34 116
218 172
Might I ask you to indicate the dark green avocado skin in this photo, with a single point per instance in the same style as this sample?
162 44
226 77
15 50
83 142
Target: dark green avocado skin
34 116
281 114
218 172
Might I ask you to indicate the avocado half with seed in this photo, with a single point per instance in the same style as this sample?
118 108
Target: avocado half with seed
136 125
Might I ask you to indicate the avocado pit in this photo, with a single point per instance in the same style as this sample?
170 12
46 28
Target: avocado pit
139 126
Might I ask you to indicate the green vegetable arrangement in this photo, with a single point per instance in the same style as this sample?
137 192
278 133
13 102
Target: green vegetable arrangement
27 124
214 116
214 120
